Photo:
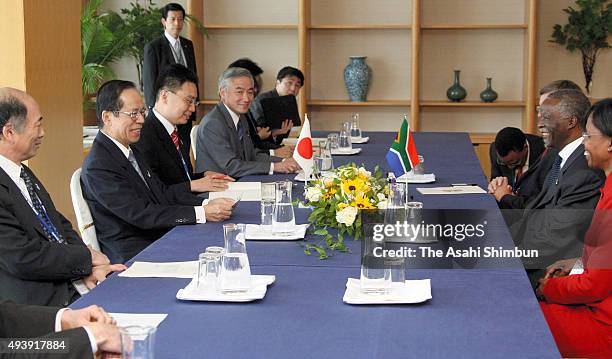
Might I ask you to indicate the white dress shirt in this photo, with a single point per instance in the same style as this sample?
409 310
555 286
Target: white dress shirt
568 150
13 170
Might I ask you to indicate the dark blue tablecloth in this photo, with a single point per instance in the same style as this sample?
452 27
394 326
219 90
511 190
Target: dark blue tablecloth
487 312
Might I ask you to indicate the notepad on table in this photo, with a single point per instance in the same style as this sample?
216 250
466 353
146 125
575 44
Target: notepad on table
245 191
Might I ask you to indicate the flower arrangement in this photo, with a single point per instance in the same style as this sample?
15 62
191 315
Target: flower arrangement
337 199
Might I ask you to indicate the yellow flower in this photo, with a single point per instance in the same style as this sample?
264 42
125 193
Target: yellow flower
362 202
354 185
342 205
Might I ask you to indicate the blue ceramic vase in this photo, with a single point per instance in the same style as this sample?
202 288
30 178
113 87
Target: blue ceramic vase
357 78
456 93
488 95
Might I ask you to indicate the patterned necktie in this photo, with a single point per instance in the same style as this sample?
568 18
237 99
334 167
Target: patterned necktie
179 53
553 174
134 164
175 140
47 226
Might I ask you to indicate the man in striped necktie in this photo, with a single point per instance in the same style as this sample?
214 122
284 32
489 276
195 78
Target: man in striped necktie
40 254
164 151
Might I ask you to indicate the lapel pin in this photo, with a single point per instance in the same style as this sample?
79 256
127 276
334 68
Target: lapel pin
148 174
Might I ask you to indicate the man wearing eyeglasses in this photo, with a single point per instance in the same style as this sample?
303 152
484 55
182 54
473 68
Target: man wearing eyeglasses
515 157
130 205
163 149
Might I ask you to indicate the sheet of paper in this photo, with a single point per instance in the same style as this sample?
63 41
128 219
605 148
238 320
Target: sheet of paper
161 270
452 190
128 319
246 191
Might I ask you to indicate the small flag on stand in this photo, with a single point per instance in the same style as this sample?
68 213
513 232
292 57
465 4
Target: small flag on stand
403 156
303 149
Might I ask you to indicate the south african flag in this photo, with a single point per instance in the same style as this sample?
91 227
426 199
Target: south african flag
402 156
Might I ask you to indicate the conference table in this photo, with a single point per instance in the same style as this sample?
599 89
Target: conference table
486 309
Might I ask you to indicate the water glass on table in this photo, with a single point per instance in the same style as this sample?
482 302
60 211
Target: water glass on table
327 162
208 271
268 196
137 341
283 217
332 140
344 141
420 168
355 129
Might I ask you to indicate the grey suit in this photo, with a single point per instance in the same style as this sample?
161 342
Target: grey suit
221 147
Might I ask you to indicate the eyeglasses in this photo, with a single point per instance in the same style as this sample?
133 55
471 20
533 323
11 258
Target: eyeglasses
587 136
188 100
514 164
134 114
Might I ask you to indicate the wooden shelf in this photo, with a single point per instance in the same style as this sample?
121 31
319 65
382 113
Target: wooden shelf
474 27
252 27
472 104
362 27
353 103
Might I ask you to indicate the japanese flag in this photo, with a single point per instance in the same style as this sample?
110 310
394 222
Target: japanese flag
303 149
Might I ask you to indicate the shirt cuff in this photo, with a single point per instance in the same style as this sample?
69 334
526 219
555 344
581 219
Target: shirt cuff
58 319
92 340
271 168
271 152
200 213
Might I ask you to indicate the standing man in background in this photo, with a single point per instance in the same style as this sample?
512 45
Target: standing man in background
170 48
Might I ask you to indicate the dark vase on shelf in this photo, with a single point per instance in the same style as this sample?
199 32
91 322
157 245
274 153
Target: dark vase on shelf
357 78
456 92
488 95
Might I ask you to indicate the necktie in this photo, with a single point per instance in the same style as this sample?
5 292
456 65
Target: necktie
134 164
48 227
241 134
175 140
553 174
179 53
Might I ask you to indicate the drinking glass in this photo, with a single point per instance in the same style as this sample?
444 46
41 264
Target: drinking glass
235 272
375 277
268 196
137 342
355 129
208 271
327 162
332 139
420 168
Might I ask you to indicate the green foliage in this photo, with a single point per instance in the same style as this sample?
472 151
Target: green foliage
587 30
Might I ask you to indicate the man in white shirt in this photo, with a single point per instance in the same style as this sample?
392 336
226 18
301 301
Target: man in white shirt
41 256
84 332
130 205
224 144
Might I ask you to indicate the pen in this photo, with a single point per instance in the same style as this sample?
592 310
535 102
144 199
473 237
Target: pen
463 184
219 177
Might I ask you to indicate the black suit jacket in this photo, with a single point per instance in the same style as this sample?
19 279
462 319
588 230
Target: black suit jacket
161 155
157 55
34 270
555 222
530 184
129 214
28 321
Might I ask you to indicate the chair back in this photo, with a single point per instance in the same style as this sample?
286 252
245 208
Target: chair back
194 139
83 214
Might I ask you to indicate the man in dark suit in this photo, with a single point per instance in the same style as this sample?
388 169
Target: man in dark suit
289 81
224 144
131 207
555 221
519 161
159 142
84 331
170 48
40 254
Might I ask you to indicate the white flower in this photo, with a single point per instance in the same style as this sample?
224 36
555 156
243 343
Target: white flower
313 194
364 172
382 204
381 197
347 216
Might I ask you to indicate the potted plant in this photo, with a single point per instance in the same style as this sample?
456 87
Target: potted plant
587 30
